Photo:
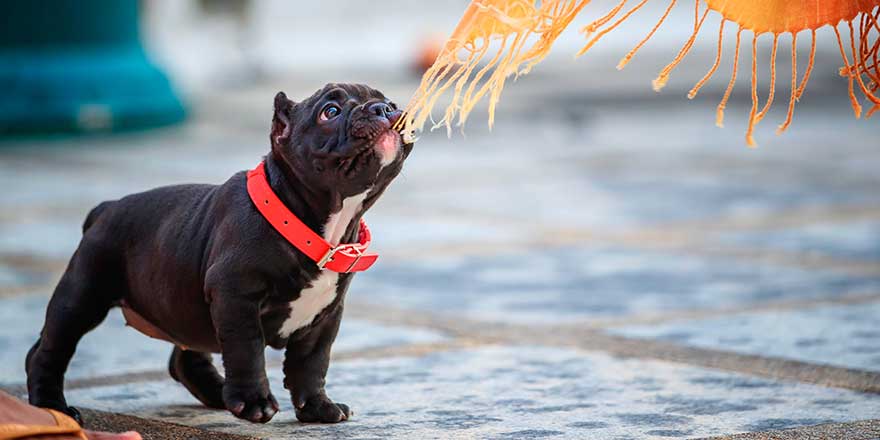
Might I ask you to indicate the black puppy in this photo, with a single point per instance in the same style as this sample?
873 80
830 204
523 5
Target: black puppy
202 267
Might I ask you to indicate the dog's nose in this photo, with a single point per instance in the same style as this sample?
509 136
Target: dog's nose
381 109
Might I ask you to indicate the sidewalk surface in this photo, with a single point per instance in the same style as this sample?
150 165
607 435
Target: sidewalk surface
592 268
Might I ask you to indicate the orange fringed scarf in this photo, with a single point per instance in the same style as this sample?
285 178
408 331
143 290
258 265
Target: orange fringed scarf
513 22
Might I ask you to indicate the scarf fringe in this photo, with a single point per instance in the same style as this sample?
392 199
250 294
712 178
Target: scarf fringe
509 26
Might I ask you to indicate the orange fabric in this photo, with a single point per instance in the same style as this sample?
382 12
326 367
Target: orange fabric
781 16
64 425
510 22
515 24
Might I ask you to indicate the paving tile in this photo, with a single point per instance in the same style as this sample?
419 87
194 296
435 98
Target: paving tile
49 238
518 392
846 336
595 176
358 334
634 197
660 199
394 231
566 284
113 348
18 277
858 240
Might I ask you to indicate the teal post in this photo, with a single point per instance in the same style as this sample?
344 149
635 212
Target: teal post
78 66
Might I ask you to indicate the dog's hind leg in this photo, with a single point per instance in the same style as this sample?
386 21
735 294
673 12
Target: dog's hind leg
86 292
195 371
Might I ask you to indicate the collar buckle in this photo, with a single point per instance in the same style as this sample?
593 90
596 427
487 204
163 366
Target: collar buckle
356 259
328 257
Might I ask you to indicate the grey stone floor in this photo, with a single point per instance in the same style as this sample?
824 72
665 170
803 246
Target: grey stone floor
846 335
590 269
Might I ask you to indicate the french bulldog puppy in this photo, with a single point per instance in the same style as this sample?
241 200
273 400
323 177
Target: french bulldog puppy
198 265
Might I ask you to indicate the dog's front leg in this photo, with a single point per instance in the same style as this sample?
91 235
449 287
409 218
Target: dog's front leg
246 389
305 366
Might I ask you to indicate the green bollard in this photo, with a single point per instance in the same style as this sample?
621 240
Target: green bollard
73 66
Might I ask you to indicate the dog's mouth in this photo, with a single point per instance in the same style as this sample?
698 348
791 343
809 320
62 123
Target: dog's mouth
384 147
387 146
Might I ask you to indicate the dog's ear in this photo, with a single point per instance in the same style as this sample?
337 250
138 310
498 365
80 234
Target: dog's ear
281 120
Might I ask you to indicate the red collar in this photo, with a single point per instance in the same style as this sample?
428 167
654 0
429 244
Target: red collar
342 258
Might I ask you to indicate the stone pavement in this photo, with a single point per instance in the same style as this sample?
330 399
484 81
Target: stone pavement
591 269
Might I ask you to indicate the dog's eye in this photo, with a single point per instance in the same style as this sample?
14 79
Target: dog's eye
329 112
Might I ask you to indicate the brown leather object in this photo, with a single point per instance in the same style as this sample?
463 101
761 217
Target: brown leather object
19 420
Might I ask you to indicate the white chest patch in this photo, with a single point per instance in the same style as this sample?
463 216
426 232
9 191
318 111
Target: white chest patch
321 293
311 301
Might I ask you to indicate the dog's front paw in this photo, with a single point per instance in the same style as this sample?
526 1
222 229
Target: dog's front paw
250 403
320 409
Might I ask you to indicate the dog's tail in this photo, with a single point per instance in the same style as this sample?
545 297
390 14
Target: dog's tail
94 214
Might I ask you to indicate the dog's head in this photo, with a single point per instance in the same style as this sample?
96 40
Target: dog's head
341 139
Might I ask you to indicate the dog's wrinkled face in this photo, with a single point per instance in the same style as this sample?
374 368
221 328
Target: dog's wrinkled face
340 139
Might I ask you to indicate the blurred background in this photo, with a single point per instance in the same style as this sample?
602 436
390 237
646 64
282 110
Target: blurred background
594 205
